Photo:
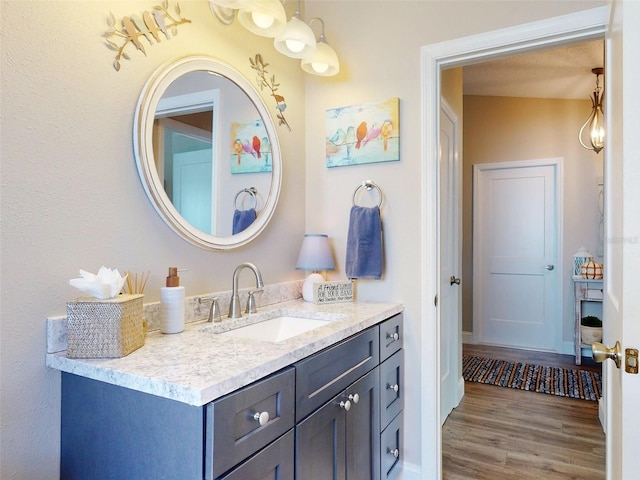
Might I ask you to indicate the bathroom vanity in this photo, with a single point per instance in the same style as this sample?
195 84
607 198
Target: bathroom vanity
323 404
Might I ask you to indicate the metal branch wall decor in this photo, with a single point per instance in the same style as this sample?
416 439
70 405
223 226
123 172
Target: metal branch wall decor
261 79
152 26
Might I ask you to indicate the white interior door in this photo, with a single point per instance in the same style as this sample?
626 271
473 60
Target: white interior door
622 239
451 381
515 254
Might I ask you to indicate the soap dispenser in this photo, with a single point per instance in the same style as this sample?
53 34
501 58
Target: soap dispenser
172 304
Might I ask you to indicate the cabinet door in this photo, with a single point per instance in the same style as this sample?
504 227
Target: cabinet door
391 449
273 463
391 394
320 443
363 428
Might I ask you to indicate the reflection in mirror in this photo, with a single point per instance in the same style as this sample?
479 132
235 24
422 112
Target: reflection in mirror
207 152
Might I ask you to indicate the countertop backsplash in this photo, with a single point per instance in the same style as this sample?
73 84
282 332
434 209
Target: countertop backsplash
194 311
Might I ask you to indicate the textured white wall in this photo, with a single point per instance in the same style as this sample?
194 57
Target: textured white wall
379 44
71 197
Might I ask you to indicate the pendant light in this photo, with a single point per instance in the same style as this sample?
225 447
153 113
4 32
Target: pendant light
297 40
266 18
324 60
595 122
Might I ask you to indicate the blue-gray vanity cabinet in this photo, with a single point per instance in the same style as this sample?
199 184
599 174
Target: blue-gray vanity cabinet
341 440
110 432
391 336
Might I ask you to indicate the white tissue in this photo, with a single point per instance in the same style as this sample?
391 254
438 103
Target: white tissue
106 284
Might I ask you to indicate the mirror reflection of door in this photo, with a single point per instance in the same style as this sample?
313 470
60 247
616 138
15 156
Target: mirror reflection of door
189 173
186 133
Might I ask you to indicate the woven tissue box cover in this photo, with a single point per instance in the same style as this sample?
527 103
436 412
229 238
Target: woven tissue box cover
98 328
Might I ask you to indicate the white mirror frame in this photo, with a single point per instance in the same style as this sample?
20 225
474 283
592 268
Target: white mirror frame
144 118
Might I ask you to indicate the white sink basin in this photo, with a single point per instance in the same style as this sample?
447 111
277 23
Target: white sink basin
276 329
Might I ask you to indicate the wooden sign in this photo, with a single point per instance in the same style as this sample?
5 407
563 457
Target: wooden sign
333 292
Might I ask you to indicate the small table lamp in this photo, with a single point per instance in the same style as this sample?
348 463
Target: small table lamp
315 255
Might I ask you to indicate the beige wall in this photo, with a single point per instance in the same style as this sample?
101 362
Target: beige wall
379 44
71 197
501 129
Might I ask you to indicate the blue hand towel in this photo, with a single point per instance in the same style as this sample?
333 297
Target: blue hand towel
364 243
242 219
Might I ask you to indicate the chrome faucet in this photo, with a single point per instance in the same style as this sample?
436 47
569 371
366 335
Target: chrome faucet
235 311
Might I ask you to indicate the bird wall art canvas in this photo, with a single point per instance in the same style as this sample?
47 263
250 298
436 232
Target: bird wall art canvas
365 133
250 147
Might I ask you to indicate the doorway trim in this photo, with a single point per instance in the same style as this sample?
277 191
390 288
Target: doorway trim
565 29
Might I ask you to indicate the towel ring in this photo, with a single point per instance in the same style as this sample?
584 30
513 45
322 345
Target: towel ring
368 185
251 191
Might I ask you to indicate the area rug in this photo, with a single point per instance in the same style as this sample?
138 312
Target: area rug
562 382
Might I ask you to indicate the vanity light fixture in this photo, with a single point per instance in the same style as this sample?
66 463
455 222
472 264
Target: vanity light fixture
266 18
595 122
315 255
324 60
297 40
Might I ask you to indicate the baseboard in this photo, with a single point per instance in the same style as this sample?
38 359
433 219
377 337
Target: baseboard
410 471
602 409
460 390
467 337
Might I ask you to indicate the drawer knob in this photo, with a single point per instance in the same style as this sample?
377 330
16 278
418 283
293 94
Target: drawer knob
395 387
395 452
261 417
355 398
346 405
393 336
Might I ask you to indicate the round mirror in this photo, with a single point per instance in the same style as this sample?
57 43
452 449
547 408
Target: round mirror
207 152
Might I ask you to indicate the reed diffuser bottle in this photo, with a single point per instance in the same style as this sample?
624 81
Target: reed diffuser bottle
172 304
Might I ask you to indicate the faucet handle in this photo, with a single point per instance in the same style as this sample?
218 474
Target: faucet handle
214 309
251 302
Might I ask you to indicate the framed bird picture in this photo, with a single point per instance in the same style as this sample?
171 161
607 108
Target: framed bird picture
250 147
366 133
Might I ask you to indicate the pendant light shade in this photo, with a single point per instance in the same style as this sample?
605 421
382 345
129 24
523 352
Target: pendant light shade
324 60
595 122
297 40
266 18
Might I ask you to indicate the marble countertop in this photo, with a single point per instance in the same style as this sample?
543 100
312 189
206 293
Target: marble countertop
198 366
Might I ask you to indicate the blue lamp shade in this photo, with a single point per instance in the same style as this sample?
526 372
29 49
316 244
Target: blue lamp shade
315 255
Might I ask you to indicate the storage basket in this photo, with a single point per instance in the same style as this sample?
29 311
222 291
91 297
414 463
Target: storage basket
110 328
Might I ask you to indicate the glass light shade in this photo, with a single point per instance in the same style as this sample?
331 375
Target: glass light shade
233 4
315 253
595 122
266 18
324 61
297 40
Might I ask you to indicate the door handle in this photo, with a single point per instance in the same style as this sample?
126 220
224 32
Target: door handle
549 267
454 280
602 352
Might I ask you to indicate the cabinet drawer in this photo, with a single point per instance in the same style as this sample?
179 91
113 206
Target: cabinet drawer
323 375
391 334
391 391
233 431
391 449
273 463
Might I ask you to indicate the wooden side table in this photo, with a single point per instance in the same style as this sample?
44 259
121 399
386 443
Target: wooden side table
584 291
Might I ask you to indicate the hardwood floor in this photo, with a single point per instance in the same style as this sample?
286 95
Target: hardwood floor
500 433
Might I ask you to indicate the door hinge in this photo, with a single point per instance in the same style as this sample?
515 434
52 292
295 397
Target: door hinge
435 300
